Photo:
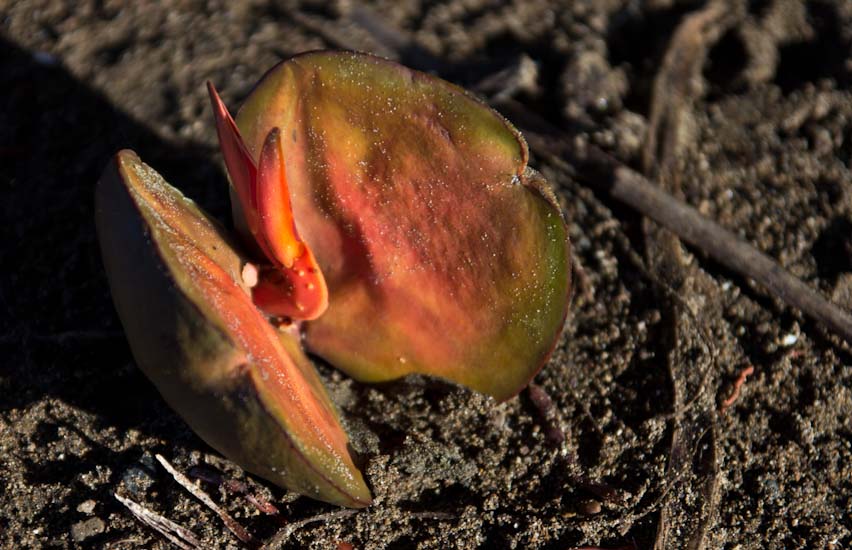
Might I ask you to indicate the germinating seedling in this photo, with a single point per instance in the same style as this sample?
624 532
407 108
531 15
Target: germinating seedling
388 215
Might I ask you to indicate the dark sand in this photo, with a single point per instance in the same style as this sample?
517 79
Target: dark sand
768 155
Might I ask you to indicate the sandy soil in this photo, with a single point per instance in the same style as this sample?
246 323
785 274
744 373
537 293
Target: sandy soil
767 153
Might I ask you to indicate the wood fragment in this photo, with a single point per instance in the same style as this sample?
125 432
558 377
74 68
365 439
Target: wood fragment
684 519
520 76
285 532
198 493
726 248
601 171
179 536
215 477
258 502
679 83
738 384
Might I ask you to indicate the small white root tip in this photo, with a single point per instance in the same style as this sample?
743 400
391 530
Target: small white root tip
250 275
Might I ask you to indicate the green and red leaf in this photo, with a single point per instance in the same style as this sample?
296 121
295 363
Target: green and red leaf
243 386
444 254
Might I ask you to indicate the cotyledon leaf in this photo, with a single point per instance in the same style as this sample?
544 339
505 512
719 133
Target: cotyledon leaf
243 386
443 252
293 285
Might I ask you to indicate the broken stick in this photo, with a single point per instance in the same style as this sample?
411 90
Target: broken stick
185 482
599 169
279 538
179 536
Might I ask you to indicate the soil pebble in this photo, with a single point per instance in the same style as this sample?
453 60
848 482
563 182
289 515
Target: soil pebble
87 529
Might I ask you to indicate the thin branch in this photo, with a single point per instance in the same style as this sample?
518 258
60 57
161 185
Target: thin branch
196 491
281 536
726 248
215 477
679 83
596 167
179 536
677 86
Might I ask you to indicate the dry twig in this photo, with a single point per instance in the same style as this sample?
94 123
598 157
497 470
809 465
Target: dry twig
281 536
179 536
684 520
198 493
601 171
215 477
